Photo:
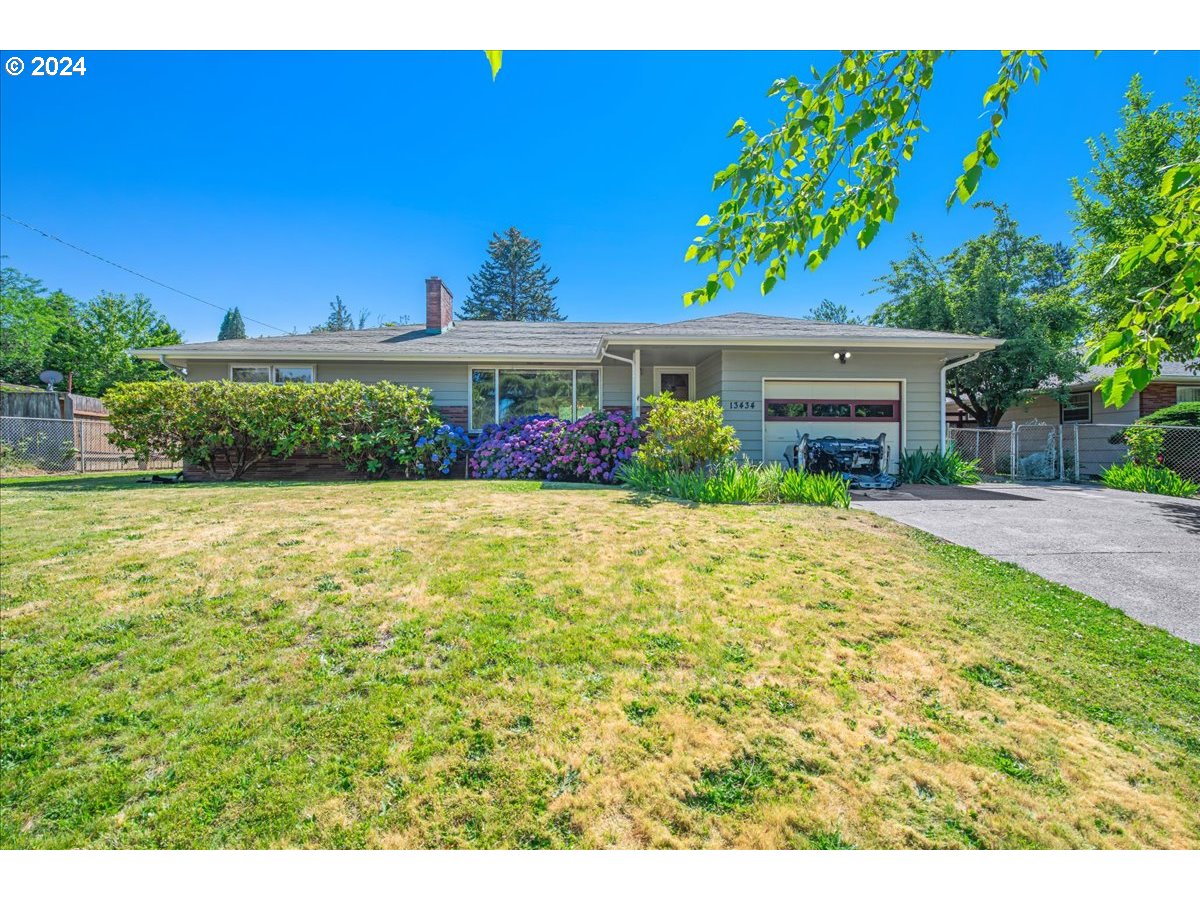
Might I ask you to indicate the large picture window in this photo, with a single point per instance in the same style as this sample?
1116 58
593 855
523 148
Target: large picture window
498 395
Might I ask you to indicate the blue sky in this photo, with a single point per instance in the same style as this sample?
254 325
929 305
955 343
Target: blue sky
274 181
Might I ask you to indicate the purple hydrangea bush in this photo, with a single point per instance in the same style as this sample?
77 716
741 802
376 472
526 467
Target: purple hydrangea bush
547 448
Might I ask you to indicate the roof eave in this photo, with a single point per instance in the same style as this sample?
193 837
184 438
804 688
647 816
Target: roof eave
319 356
947 343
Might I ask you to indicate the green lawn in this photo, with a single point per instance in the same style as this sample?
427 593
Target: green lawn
499 665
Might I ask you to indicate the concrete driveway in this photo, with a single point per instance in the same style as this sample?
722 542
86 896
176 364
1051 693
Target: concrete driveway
1137 552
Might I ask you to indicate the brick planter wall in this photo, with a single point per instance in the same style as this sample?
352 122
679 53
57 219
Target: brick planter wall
1156 396
300 466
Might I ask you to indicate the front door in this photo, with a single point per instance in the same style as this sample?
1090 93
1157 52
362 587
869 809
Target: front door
677 383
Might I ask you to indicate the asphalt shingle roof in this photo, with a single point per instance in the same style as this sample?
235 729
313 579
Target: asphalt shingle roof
545 340
1166 370
751 325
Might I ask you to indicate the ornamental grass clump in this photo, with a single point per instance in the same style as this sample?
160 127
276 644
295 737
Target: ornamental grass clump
739 483
938 467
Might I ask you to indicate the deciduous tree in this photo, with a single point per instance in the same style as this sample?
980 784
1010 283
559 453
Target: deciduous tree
1001 284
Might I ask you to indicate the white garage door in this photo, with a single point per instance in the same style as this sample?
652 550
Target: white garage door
845 409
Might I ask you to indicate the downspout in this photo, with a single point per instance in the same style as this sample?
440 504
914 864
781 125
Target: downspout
178 370
953 364
635 365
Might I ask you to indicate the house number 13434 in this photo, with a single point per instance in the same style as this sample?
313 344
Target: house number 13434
742 404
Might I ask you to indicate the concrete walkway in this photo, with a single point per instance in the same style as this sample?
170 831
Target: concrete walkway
1137 552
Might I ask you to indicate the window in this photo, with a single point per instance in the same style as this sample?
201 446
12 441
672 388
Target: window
498 395
1187 394
875 410
250 374
1078 408
831 410
786 409
587 392
291 374
483 398
813 410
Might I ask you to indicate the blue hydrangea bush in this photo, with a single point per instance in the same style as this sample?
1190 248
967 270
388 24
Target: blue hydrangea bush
439 452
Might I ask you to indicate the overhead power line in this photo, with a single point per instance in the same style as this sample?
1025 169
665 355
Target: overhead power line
86 252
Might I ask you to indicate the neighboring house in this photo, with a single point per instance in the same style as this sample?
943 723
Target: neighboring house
1175 383
776 376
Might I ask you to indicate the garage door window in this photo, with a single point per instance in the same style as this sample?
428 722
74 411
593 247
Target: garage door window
832 410
875 410
786 410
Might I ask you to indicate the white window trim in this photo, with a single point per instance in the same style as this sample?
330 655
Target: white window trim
1062 410
689 371
271 370
496 370
1179 393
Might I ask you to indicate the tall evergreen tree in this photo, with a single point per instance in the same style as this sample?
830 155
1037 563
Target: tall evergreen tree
513 285
341 319
232 326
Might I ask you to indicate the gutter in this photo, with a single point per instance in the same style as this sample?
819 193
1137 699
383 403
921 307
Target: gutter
950 364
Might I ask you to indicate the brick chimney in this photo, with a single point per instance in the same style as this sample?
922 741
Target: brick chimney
439 306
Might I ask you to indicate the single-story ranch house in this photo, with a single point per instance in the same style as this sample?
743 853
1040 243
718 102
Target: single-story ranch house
1176 382
776 376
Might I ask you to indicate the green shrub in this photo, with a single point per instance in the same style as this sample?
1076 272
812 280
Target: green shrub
685 435
229 428
1186 414
938 467
1145 446
1130 476
1178 450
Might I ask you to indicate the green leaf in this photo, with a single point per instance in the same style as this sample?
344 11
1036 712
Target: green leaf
702 221
968 182
495 60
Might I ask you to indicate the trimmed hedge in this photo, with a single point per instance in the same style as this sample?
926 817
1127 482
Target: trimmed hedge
229 428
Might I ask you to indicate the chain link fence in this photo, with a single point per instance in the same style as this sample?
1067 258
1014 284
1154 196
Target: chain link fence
1069 452
58 446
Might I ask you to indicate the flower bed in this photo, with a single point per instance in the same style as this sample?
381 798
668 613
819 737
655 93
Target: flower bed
547 448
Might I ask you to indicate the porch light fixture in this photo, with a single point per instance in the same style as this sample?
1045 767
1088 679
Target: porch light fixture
841 356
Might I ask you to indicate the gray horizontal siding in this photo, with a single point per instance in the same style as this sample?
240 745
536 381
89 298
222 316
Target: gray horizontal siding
708 376
742 372
447 381
618 385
